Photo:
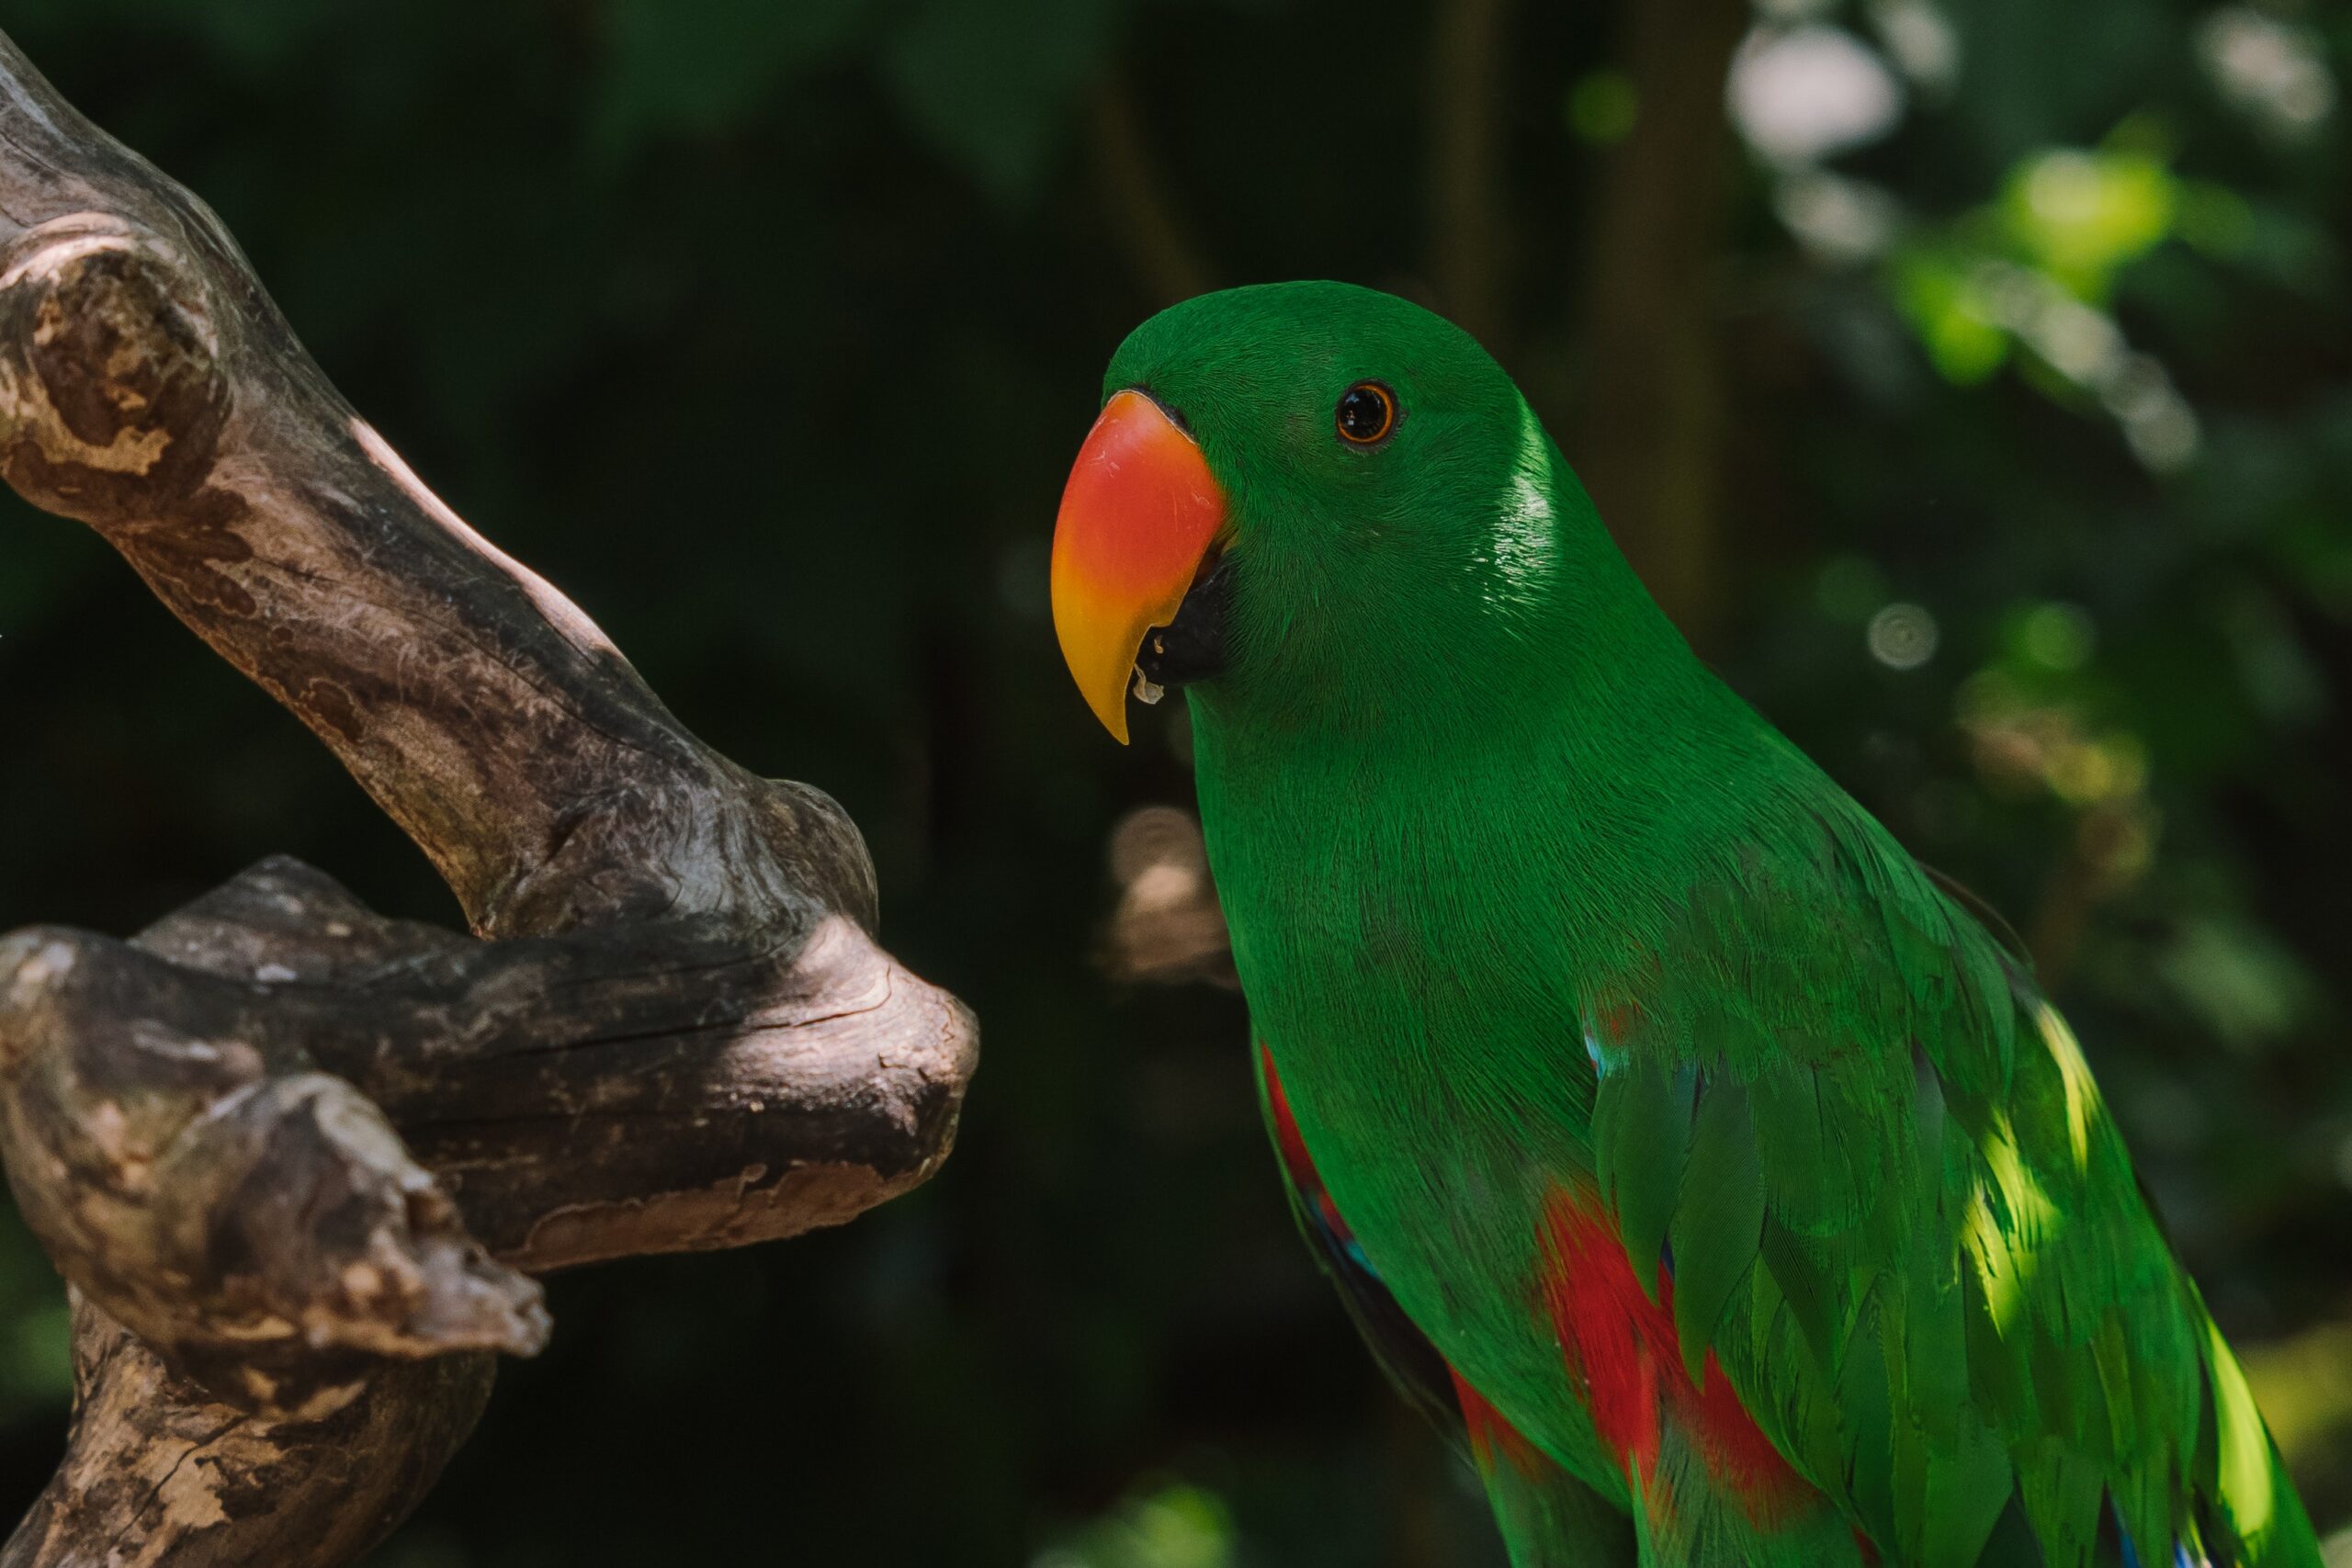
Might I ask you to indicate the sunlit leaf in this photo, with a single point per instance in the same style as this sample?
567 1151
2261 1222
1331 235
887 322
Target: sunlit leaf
2081 215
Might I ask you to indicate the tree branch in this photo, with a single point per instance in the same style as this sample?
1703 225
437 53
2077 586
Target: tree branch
155 1471
290 1154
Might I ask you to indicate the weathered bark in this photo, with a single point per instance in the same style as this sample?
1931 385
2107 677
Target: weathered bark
157 1472
295 1158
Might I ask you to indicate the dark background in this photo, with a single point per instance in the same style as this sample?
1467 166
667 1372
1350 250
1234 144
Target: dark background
1979 396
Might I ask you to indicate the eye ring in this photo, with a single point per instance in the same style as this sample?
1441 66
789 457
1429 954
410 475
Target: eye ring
1366 414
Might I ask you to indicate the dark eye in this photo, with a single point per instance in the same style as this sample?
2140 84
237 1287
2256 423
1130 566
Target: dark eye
1367 413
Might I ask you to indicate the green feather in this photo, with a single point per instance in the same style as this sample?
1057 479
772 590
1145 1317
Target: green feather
1820 1176
1864 1394
2244 1474
1647 1104
1967 1488
1719 1223
2062 1490
1799 1268
1998 1381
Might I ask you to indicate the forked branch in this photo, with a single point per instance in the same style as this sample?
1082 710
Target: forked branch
296 1160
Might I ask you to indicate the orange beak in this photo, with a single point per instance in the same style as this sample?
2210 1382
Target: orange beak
1138 517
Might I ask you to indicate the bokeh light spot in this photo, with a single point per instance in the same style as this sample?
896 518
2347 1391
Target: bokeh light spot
1903 636
1603 107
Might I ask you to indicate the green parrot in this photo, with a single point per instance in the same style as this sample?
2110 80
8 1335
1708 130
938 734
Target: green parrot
1716 1172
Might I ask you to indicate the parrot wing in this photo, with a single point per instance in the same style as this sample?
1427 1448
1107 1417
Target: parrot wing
1549 1518
1403 1352
1865 1163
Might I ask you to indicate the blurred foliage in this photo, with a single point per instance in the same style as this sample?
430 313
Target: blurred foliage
1177 1526
767 331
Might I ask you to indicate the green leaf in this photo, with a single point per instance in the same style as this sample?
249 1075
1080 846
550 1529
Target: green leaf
2082 215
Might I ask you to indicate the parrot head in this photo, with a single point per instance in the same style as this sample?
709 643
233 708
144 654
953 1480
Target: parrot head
1316 498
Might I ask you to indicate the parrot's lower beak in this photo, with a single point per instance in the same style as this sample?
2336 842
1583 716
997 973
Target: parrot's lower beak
1139 518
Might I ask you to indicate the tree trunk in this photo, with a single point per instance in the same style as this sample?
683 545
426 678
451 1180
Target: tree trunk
1650 435
297 1161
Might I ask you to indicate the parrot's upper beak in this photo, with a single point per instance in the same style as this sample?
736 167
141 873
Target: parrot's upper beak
1139 516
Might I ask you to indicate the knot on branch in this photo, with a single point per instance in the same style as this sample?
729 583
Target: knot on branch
256 1220
112 395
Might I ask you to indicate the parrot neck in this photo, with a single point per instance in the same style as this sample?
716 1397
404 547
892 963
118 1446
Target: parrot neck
1571 776
1595 688
1542 837
1499 795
